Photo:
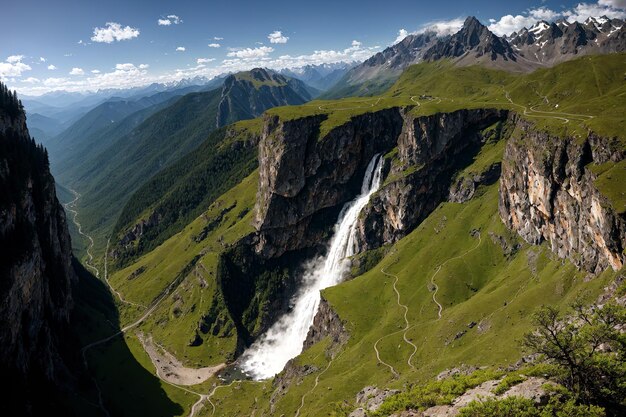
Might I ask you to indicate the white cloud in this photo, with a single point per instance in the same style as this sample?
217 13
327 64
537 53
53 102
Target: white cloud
171 19
509 23
277 37
402 33
14 58
214 45
31 80
95 71
42 59
114 32
251 52
124 67
583 11
180 49
52 67
13 67
204 60
443 27
618 4
217 38
77 71
143 66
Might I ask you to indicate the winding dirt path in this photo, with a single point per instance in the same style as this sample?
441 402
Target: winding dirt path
432 279
406 312
317 380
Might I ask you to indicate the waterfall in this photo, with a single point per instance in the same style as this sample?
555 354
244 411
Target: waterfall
283 341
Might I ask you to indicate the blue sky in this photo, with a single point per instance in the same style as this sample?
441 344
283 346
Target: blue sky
87 45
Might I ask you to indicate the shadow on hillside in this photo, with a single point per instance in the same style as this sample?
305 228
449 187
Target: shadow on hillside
128 389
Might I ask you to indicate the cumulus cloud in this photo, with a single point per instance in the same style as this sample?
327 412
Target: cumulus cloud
13 67
112 32
259 52
95 71
31 80
52 67
180 49
583 11
77 71
277 37
124 67
14 59
42 59
443 27
618 4
143 66
214 45
217 38
171 19
402 33
204 60
509 23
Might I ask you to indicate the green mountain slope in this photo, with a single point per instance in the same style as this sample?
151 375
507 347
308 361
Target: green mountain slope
469 283
178 194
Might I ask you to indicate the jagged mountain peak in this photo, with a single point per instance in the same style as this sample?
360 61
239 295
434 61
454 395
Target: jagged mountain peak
474 40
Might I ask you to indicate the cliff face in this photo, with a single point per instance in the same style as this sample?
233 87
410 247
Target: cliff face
35 262
305 180
430 150
546 193
546 190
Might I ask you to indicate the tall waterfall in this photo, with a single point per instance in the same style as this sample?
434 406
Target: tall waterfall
283 341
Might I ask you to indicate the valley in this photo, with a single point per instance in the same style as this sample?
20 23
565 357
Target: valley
435 227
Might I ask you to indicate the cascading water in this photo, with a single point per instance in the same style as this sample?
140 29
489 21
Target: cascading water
283 341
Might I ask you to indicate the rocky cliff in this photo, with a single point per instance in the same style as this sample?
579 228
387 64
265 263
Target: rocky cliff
36 274
305 180
547 192
547 189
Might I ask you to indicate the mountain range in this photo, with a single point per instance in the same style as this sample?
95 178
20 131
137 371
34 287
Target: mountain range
544 44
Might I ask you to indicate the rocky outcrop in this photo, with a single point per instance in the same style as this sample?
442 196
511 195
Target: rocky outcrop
326 324
36 273
548 193
430 150
464 187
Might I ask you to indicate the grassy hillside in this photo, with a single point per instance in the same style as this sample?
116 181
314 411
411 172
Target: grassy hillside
588 86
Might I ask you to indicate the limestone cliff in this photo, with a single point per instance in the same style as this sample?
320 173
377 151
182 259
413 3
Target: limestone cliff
547 192
36 274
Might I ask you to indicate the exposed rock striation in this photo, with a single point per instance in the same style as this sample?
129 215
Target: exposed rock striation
546 193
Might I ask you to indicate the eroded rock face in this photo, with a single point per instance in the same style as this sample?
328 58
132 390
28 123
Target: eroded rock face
430 150
304 179
546 193
326 323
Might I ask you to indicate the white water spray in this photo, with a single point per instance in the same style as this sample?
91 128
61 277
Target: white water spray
283 341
